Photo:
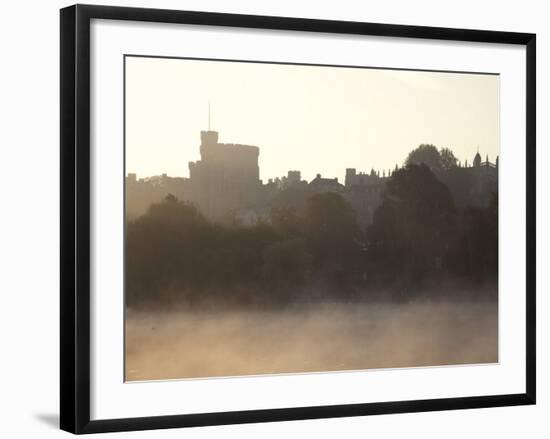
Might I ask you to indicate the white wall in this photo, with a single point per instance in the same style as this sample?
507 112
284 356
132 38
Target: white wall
29 235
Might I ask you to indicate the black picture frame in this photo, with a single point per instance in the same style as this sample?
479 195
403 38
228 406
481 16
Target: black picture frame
75 217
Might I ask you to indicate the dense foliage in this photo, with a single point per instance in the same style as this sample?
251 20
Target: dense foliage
175 254
429 155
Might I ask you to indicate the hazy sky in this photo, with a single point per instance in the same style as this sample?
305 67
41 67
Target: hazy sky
308 118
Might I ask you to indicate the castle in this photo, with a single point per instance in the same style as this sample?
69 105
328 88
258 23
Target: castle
225 183
226 177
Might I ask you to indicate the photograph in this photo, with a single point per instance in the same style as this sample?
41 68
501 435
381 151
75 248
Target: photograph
289 218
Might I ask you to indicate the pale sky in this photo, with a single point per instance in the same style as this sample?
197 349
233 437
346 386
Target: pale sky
308 118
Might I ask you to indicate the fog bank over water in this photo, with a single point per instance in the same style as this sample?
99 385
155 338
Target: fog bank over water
325 337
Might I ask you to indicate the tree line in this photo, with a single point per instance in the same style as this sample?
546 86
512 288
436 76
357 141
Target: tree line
418 239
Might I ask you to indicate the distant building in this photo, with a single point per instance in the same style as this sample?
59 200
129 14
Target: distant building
225 183
227 176
364 193
472 186
294 178
141 193
320 184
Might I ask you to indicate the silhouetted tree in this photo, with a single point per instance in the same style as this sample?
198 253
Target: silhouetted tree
333 236
447 159
436 160
173 253
286 221
286 263
426 154
475 253
164 249
414 225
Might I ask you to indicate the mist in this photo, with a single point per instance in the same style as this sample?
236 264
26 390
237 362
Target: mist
398 270
179 343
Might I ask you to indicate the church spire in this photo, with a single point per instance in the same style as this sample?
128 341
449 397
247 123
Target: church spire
477 158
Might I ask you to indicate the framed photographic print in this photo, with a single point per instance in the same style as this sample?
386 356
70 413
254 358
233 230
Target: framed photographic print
268 218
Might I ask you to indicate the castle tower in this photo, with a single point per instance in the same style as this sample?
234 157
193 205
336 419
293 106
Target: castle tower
209 138
225 178
351 174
